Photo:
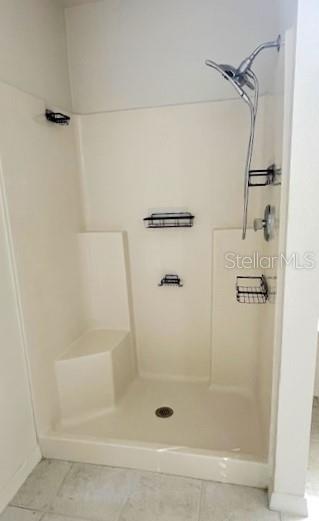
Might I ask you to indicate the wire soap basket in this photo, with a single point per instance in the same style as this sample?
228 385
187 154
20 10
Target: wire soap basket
252 290
264 177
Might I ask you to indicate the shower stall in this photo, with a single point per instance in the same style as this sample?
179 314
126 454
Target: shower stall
149 323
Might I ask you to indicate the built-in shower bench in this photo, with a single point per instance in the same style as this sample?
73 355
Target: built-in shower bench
94 372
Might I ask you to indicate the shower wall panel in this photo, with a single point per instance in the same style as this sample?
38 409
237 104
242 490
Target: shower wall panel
235 326
181 157
270 326
105 284
19 451
41 185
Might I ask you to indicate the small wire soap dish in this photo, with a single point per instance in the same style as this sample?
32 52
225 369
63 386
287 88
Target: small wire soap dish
171 280
251 290
57 117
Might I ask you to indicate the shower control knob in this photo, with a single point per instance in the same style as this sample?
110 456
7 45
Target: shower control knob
267 223
258 224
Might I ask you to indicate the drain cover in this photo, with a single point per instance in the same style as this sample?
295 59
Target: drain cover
164 412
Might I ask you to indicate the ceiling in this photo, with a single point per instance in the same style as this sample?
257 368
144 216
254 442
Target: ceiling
71 3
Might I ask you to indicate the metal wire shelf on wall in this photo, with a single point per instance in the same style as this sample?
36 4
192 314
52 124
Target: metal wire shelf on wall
264 177
251 290
169 220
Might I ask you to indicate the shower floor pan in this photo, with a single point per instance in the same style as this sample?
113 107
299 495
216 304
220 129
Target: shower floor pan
211 435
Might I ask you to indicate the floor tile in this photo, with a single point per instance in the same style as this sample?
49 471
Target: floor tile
42 485
94 492
19 514
163 498
233 503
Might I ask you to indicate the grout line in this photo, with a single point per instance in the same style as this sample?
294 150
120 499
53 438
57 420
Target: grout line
201 496
26 508
44 513
63 514
43 516
131 491
125 502
59 489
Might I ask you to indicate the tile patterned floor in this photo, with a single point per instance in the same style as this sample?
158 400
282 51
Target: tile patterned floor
61 491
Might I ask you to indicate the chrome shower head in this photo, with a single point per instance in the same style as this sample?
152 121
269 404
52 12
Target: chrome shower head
242 80
229 70
242 75
229 73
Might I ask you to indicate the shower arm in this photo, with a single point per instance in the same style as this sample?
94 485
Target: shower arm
253 105
245 66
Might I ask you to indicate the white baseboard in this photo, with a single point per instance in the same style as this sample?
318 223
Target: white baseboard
288 503
8 492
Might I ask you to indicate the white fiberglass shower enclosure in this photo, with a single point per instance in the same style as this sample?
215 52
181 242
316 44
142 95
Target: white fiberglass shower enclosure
152 130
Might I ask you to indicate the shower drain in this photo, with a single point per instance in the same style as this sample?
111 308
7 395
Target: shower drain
164 412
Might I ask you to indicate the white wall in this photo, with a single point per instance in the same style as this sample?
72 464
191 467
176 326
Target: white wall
287 10
33 49
126 54
41 184
33 58
300 302
188 156
18 445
